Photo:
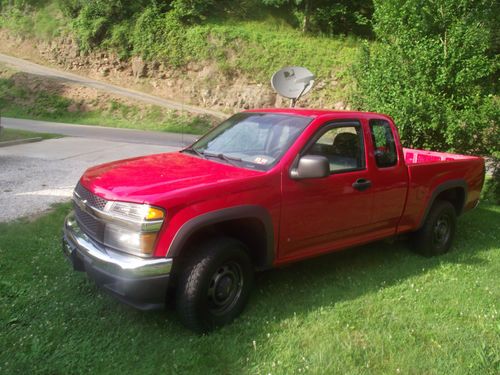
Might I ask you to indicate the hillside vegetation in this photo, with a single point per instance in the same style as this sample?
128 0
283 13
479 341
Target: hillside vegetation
433 66
239 45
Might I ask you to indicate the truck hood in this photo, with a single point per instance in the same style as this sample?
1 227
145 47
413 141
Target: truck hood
148 179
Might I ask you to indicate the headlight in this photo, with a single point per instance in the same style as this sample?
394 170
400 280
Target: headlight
135 212
132 227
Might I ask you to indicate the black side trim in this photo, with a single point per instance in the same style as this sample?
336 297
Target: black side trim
438 190
226 214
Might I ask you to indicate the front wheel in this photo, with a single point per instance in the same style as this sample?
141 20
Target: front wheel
215 285
436 235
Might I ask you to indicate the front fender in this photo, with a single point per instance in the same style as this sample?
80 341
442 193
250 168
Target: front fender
226 214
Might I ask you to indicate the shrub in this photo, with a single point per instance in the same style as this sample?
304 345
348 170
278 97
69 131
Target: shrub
491 189
70 8
191 11
95 18
163 36
15 20
92 23
120 38
433 70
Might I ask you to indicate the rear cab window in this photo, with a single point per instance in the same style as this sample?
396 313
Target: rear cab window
383 143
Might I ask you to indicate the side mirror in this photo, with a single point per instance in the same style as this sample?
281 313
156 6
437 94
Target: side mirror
311 166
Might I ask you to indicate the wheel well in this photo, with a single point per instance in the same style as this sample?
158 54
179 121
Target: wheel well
249 231
456 196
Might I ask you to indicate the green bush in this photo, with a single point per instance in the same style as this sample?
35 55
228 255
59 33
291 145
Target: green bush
41 19
95 19
70 8
48 23
433 70
16 21
22 4
491 189
92 24
163 36
120 39
191 11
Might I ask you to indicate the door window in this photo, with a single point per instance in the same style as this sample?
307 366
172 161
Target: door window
342 146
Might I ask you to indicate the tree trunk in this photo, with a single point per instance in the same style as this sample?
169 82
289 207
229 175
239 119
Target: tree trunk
305 26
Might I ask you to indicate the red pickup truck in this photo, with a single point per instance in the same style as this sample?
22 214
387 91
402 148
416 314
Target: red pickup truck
264 188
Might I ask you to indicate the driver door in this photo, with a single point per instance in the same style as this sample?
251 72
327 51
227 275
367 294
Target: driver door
322 214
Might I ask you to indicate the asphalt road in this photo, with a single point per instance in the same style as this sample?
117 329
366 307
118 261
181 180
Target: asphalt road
32 68
33 176
101 133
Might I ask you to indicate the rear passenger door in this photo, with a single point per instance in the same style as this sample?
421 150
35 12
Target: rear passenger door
322 214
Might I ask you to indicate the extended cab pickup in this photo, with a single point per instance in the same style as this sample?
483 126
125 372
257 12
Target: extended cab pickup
264 188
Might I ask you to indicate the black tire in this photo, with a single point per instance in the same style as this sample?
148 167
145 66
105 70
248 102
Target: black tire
436 235
214 285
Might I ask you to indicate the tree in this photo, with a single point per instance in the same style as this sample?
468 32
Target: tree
329 17
434 71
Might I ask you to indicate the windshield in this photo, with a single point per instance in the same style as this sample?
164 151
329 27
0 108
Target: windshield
251 140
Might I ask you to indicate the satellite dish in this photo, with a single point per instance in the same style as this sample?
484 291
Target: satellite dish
292 82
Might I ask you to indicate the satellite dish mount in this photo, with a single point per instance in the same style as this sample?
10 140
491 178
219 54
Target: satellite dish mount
292 82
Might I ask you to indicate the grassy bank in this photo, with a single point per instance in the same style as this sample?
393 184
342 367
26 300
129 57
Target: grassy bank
8 135
253 50
26 96
375 309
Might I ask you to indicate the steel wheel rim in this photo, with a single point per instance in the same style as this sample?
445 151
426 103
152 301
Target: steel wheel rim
442 230
225 287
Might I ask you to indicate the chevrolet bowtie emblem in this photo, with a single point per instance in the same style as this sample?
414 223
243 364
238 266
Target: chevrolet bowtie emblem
82 203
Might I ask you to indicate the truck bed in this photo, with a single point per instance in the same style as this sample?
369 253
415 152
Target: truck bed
413 156
429 169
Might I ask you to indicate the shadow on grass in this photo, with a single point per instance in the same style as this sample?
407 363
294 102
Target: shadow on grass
359 271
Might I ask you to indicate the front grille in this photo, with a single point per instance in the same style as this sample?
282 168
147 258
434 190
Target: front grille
88 223
92 199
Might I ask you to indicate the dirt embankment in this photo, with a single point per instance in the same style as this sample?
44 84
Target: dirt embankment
200 84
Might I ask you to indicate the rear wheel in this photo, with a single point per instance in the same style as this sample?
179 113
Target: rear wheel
215 285
437 233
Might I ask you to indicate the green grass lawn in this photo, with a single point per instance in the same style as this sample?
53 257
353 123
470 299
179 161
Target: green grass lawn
374 309
16 134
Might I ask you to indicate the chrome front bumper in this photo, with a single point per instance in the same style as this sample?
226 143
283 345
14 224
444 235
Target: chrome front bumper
140 282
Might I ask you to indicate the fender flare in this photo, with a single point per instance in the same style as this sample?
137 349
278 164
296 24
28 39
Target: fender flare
452 184
225 214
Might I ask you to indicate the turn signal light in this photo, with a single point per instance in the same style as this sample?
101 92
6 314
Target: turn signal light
154 214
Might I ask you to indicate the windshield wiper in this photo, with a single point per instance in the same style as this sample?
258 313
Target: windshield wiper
195 151
220 155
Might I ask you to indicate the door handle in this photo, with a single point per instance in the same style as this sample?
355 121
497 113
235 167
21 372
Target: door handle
362 184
